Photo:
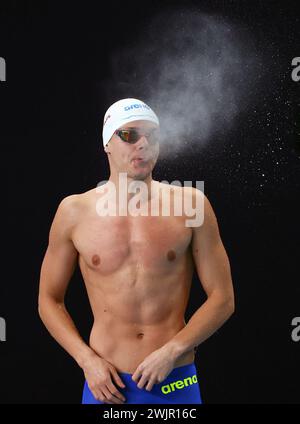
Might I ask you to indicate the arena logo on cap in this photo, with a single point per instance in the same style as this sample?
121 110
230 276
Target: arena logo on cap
2 69
136 106
106 119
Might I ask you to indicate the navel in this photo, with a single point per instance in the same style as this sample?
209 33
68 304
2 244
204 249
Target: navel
96 260
171 255
140 335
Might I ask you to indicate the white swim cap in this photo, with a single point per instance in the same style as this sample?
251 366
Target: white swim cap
124 111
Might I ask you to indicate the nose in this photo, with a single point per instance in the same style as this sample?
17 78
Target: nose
142 143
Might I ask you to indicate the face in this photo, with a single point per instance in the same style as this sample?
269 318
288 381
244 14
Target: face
138 159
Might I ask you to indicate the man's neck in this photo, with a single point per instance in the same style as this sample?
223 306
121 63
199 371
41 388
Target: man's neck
121 180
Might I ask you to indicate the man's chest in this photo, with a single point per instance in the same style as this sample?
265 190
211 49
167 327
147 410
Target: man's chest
107 242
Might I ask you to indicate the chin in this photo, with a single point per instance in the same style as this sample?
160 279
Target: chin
140 176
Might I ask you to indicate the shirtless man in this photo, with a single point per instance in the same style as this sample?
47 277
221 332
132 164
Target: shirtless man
138 272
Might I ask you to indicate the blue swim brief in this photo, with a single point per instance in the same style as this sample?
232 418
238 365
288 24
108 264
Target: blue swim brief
181 386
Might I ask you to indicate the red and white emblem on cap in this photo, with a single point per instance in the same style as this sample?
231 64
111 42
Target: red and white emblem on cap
108 116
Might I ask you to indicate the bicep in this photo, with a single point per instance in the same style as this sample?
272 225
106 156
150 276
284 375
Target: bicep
210 258
60 258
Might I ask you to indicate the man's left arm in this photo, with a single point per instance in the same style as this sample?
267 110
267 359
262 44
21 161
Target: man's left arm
213 269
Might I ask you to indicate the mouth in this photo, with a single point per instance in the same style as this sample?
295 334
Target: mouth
139 160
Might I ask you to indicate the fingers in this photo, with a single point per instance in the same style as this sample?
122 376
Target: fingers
101 378
150 384
148 381
98 395
117 378
107 393
112 395
106 396
137 374
115 392
142 381
145 380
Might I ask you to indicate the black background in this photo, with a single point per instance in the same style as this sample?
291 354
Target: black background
52 105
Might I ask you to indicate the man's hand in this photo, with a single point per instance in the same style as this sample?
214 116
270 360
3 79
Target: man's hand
98 373
154 368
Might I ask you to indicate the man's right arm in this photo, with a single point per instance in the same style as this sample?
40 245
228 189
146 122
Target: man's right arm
57 269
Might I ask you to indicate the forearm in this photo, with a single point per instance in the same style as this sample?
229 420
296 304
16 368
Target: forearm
203 323
62 328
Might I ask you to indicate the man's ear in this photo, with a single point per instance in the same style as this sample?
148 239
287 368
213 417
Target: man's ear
106 149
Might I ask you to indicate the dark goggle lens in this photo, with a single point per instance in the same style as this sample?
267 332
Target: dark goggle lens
132 136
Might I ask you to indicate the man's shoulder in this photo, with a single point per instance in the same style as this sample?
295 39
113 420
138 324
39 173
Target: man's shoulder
74 204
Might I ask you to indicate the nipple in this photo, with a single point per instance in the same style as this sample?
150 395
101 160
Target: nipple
171 255
96 260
